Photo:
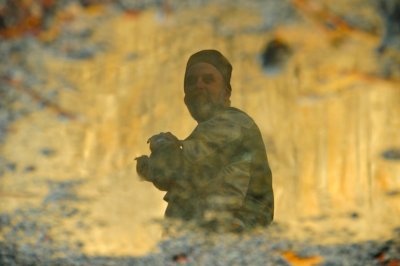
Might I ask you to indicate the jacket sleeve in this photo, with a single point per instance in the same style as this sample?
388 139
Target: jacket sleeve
219 162
210 138
165 167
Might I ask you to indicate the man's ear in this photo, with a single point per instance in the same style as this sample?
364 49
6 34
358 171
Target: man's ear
227 96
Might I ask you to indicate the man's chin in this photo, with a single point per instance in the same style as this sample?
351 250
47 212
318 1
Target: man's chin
200 117
201 114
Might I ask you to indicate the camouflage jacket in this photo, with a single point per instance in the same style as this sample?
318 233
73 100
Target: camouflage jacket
221 168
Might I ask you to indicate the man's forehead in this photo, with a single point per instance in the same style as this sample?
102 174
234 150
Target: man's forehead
202 68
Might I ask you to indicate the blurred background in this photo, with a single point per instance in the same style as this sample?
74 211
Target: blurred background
84 84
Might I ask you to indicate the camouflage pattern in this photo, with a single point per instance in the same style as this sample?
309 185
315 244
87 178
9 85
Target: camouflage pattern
220 172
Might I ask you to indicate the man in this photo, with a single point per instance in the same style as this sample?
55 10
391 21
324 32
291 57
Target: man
220 173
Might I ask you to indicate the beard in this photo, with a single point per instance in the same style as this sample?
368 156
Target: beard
201 106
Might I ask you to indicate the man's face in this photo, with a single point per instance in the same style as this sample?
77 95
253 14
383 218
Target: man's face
205 91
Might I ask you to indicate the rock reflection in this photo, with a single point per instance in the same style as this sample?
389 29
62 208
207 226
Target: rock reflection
329 121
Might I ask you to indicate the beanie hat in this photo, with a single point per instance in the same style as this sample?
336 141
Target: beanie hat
214 58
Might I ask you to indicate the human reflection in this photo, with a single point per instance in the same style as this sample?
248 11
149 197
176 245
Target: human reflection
219 175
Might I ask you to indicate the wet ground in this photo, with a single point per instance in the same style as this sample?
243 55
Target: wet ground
79 100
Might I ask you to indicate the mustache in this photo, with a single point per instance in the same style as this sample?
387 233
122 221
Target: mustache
195 96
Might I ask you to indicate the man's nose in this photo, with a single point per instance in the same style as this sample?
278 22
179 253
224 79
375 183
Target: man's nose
200 83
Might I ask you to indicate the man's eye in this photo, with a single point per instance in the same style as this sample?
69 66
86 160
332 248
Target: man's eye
208 79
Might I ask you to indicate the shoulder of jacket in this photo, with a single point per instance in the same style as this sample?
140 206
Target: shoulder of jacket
238 117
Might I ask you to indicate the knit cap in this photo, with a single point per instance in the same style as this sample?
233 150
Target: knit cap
214 58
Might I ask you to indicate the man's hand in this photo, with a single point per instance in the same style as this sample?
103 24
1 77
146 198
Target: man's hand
163 140
142 166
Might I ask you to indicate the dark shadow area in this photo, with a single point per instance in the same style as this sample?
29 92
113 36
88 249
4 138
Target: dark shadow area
274 56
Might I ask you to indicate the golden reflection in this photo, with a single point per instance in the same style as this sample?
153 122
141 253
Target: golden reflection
326 120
